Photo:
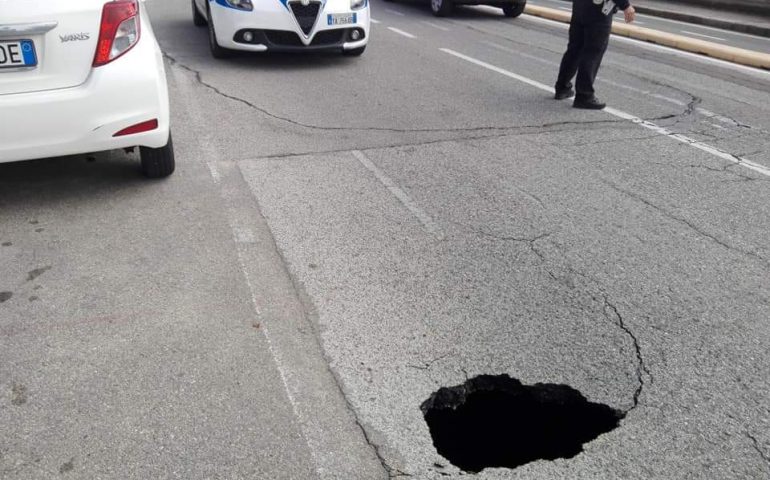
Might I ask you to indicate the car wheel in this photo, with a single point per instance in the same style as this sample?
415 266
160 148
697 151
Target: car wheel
216 50
513 10
355 52
441 8
158 162
198 19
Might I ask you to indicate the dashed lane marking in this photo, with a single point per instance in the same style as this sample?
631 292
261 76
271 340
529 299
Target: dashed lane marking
401 32
395 12
401 195
702 35
625 116
438 27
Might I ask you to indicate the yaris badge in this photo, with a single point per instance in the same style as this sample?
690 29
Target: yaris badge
73 37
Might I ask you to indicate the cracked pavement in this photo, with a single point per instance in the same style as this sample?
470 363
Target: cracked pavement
344 236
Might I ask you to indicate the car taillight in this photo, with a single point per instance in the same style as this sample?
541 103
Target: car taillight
119 31
138 128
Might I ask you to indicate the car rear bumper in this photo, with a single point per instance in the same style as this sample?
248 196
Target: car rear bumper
85 119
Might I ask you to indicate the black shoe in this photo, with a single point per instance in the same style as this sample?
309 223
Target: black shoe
591 103
566 93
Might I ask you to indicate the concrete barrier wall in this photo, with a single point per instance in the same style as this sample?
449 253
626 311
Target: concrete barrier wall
761 7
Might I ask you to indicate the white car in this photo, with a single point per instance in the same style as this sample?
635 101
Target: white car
82 76
284 25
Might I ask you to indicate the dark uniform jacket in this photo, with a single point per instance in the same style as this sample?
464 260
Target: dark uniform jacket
586 11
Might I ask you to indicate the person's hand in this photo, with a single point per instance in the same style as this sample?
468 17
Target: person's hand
630 14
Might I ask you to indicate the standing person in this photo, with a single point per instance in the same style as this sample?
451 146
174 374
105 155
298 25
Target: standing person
589 34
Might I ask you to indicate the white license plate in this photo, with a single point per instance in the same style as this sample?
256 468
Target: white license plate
17 53
341 18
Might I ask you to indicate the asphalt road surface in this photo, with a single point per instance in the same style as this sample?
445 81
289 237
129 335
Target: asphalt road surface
344 236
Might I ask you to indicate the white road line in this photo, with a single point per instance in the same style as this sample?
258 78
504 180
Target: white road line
625 116
565 9
402 197
374 21
499 70
395 12
401 32
439 27
755 72
702 35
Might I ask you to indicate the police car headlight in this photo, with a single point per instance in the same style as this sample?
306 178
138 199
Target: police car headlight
356 4
241 4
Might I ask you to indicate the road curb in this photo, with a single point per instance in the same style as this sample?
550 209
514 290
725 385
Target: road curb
731 54
709 22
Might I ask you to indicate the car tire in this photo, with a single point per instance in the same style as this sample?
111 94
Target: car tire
158 162
355 52
198 19
216 50
442 8
513 10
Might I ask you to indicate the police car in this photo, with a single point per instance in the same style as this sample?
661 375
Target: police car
284 25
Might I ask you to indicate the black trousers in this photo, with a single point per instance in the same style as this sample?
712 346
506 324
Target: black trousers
589 35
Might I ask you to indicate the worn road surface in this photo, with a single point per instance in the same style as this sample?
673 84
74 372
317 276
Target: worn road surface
344 236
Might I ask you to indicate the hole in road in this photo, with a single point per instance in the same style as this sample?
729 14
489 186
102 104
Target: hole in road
496 421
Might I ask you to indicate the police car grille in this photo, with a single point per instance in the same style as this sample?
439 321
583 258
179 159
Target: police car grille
328 37
283 38
306 15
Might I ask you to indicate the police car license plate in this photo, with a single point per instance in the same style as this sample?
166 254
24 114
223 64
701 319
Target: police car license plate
17 53
341 18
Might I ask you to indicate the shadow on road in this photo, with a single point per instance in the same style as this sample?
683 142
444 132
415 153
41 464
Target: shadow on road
59 179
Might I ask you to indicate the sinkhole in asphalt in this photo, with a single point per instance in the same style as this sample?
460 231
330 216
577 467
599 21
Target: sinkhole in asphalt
496 421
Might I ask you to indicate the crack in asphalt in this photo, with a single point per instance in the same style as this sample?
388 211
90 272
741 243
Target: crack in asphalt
693 104
729 168
641 367
392 472
687 223
530 241
427 365
199 79
419 144
758 448
687 112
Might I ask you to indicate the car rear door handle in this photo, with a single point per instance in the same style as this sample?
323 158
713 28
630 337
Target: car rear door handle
21 29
